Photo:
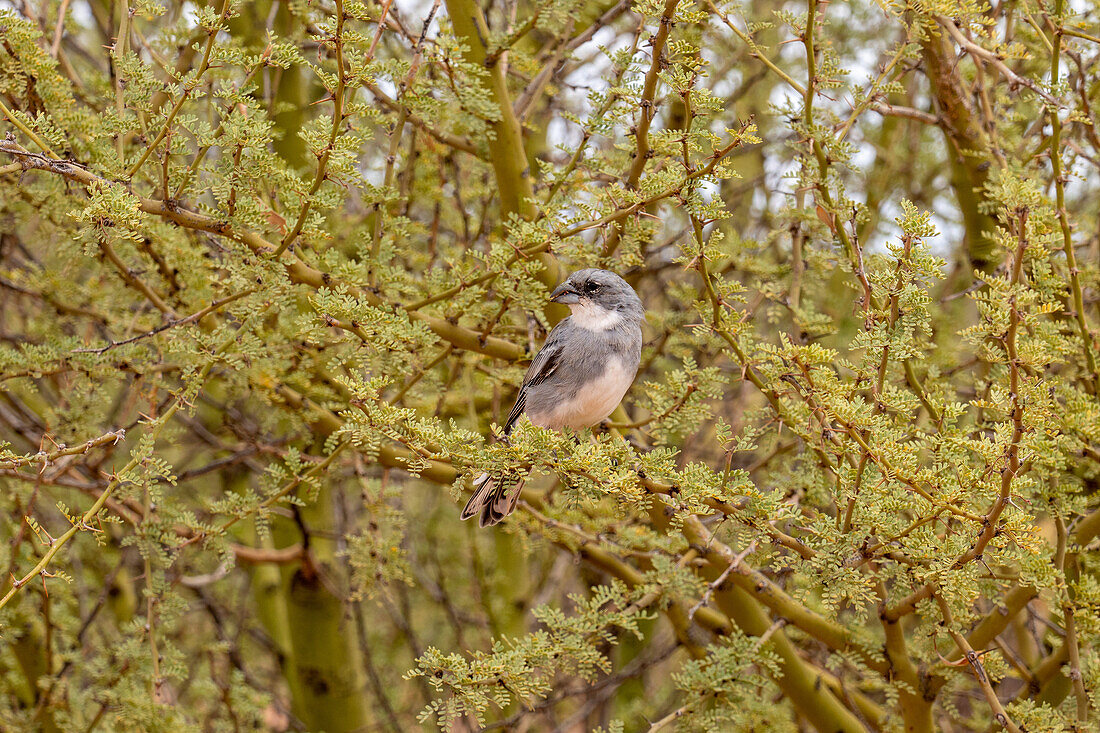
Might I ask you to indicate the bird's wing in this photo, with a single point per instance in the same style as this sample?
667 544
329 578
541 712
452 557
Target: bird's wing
546 361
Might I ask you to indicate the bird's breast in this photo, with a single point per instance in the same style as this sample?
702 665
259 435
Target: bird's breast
592 402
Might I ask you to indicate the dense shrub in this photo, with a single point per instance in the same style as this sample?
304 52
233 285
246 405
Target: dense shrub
270 273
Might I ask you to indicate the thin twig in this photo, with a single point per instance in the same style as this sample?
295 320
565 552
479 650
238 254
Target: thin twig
976 666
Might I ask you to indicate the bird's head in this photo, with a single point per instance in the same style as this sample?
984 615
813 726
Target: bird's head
599 299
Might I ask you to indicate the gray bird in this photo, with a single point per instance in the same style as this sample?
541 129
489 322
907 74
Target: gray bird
578 378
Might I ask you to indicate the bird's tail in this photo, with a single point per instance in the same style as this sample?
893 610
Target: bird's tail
495 497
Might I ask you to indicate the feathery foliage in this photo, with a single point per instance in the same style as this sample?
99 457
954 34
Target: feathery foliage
271 272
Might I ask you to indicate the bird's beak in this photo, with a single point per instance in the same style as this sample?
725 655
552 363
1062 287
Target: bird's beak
565 294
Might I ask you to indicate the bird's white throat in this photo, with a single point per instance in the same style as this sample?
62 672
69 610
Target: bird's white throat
593 317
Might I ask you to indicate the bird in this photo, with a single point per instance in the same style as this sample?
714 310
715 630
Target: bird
579 376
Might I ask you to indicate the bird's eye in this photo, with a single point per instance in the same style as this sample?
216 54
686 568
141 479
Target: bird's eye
591 287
